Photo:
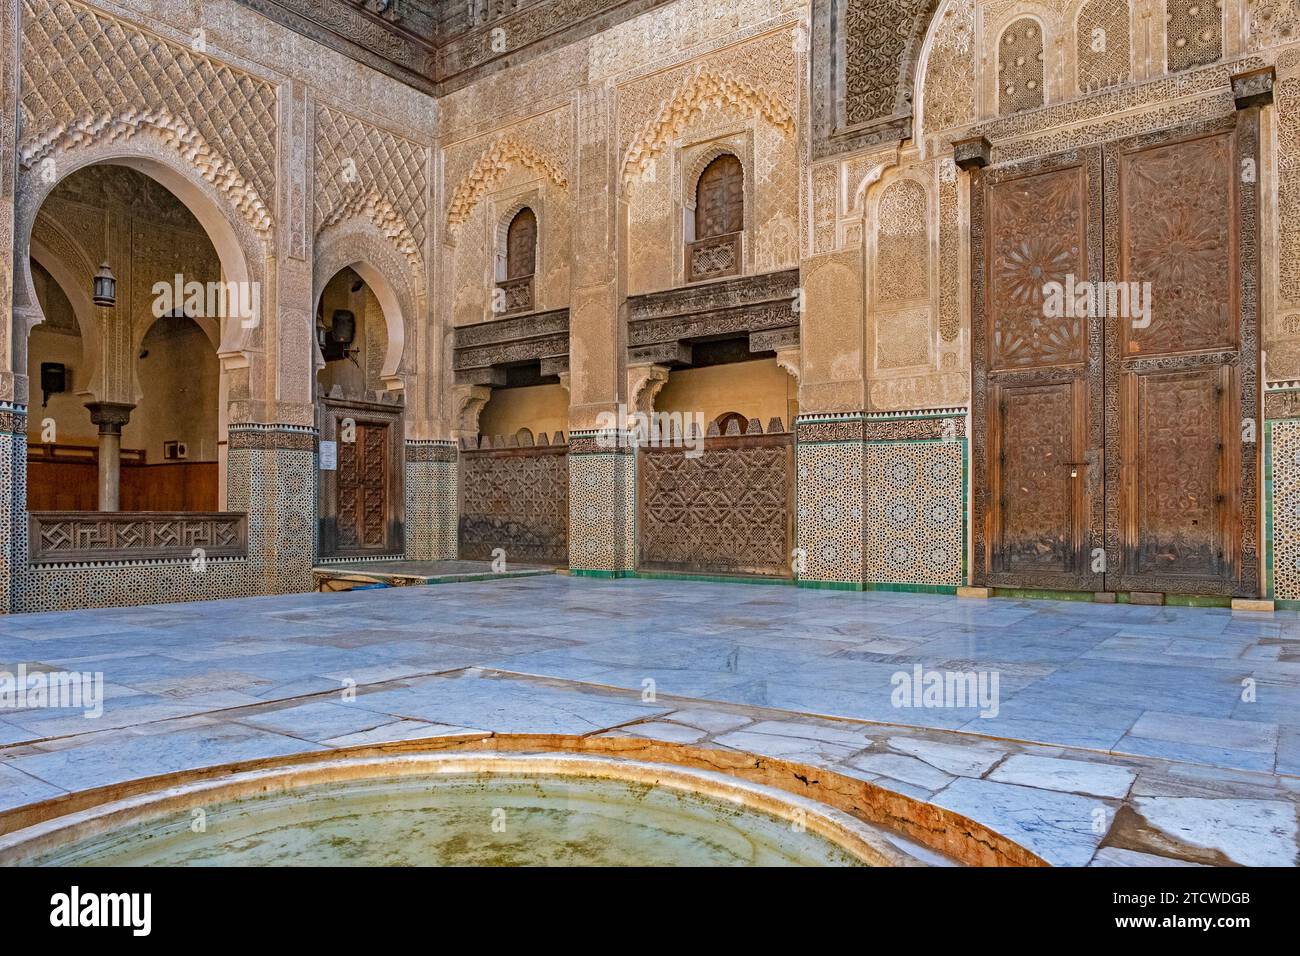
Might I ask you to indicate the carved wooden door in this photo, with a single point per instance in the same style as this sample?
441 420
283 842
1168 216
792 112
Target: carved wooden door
720 198
1116 428
1038 375
362 483
1181 226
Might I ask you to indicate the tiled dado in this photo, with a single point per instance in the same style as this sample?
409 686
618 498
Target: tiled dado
602 504
13 497
882 500
1282 495
271 477
431 495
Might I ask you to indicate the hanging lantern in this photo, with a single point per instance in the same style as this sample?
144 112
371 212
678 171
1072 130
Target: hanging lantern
105 287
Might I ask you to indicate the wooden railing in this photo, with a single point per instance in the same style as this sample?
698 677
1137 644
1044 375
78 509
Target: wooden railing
74 537
518 295
713 258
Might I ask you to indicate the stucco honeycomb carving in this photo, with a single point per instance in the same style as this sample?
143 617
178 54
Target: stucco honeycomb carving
1273 22
1102 44
1193 33
88 77
1020 66
362 170
704 91
490 167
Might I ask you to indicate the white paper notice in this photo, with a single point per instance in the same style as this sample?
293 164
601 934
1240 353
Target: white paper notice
329 456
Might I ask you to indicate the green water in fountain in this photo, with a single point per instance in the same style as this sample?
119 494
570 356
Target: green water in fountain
463 820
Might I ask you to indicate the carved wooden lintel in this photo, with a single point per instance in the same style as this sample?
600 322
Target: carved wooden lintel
1253 87
973 153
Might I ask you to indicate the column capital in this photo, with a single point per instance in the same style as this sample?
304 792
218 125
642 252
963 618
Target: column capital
109 416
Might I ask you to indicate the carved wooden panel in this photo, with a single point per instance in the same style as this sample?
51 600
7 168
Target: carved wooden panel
726 511
1177 231
713 258
516 499
1037 234
1034 448
1038 412
1179 509
362 505
1182 393
59 537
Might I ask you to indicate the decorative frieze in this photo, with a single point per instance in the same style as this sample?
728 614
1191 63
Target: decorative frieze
71 537
427 451
662 324
480 352
1281 403
258 437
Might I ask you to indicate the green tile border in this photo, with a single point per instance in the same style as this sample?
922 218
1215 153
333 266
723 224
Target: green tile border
712 578
831 585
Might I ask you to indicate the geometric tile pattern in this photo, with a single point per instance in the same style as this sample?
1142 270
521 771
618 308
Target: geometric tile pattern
602 509
829 515
431 509
914 514
882 499
1285 508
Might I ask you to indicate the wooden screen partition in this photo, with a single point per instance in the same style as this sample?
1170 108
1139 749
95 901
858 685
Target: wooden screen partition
516 499
727 511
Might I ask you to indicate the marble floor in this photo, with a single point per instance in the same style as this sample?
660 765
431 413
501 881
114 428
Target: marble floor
1118 734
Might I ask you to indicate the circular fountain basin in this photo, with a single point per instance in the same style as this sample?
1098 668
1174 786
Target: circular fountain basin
463 809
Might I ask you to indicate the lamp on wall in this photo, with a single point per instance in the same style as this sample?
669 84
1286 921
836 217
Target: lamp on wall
105 292
336 338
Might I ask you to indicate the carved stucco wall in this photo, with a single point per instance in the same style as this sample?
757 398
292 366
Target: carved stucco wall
664 90
224 97
487 179
371 209
743 100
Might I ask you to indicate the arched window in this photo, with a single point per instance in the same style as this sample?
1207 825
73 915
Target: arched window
521 244
719 220
516 290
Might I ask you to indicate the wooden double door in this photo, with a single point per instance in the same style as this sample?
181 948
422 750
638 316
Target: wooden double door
1115 354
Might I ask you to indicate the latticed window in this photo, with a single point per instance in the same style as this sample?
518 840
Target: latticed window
719 220
515 292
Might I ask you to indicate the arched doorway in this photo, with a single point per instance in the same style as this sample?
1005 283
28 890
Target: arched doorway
362 443
131 416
